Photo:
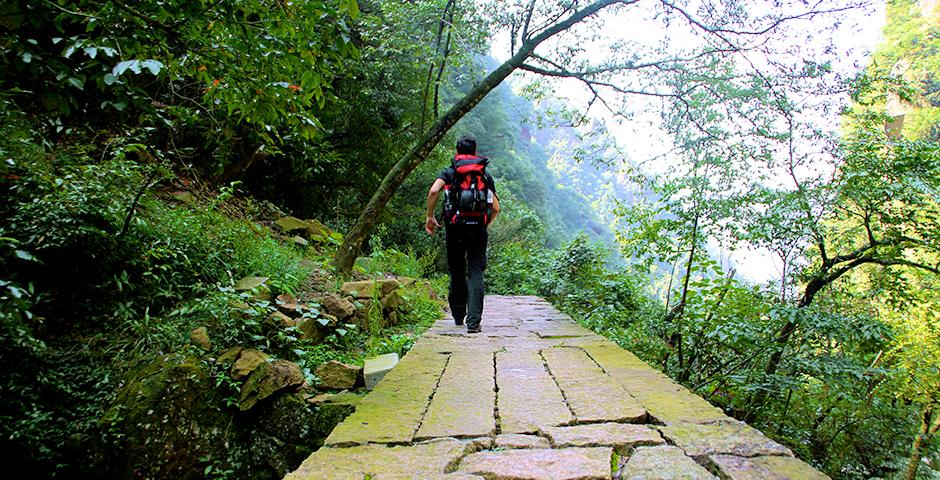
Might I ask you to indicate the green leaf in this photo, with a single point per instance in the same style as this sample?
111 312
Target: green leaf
323 321
153 65
137 66
77 83
109 79
26 57
349 7
24 255
121 67
92 52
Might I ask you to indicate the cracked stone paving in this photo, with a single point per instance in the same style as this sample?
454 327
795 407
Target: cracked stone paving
533 397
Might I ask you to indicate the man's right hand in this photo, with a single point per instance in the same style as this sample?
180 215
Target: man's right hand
430 225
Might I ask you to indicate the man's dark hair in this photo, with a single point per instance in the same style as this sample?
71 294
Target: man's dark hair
467 145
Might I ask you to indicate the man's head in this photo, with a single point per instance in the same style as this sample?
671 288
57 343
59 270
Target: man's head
467 145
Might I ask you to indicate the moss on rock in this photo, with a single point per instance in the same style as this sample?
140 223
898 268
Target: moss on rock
170 421
168 417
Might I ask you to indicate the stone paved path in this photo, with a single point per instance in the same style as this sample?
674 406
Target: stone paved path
532 397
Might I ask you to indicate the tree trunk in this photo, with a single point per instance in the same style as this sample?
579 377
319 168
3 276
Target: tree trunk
786 331
926 432
360 231
674 340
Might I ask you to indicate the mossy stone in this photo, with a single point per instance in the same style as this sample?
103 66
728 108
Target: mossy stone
168 417
286 433
365 288
248 360
269 379
229 355
200 337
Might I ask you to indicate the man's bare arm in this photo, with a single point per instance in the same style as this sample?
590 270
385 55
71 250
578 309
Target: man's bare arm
430 223
495 209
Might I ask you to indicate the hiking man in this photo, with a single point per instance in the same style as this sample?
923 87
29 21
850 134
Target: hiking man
470 205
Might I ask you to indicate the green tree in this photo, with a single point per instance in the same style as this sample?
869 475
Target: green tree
544 39
245 76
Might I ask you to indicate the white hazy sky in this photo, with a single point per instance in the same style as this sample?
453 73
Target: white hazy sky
858 34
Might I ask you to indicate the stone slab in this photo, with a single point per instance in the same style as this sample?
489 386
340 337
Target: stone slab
540 464
431 460
621 436
393 411
528 396
375 368
386 435
590 393
464 403
664 399
558 329
763 468
663 462
516 440
728 437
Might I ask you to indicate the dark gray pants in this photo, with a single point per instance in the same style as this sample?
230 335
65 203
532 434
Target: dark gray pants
466 260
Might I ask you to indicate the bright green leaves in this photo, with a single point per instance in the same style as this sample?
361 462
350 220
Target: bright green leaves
264 67
137 66
350 8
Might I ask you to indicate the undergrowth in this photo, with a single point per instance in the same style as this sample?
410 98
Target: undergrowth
103 270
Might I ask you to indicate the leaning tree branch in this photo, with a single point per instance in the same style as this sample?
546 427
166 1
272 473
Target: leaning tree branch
585 78
354 240
70 12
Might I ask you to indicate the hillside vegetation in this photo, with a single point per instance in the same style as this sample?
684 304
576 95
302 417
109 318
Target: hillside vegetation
184 184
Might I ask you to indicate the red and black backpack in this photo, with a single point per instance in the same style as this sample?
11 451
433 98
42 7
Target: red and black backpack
469 199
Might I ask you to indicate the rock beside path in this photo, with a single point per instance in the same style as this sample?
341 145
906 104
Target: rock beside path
305 229
375 368
366 288
269 379
247 361
200 338
337 306
338 375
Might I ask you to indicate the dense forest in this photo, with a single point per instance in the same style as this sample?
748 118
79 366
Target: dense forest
158 157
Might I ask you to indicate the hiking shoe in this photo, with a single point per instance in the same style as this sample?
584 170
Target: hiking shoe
475 329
